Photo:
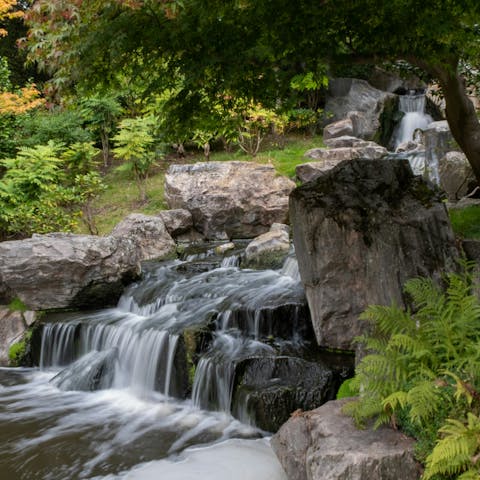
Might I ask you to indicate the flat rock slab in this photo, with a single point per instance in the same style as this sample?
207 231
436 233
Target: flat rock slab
324 444
229 199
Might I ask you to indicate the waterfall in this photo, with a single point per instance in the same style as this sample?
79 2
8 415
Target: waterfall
154 376
145 332
415 117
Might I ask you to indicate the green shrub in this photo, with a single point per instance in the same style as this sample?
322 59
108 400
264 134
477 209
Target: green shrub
60 126
422 374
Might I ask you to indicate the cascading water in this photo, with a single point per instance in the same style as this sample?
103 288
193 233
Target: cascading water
414 117
116 387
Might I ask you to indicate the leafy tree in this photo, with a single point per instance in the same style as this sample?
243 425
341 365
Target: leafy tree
101 113
135 144
421 373
254 49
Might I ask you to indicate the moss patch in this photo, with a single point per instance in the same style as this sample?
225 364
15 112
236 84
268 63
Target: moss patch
16 305
19 351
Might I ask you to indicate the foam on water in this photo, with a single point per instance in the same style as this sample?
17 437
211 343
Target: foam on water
232 460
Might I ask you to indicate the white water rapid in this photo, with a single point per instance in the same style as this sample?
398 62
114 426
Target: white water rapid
116 394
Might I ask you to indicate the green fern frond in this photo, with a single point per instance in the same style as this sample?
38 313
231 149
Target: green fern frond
395 401
424 399
453 454
423 291
388 320
469 475
364 409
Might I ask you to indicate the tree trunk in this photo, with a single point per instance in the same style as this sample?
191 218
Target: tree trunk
462 117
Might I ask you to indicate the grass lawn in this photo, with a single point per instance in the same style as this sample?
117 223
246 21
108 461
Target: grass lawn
121 195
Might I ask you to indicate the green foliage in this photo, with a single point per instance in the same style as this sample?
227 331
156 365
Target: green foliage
466 221
347 389
311 85
16 353
16 305
5 84
60 126
44 188
421 373
135 144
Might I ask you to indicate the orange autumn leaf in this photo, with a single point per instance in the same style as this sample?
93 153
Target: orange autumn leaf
27 99
7 12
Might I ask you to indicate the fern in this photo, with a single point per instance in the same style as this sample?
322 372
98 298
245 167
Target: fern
422 372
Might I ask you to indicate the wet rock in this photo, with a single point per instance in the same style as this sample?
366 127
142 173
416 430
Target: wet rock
177 221
226 247
149 235
229 199
360 231
12 329
269 389
282 321
324 444
66 270
456 175
270 249
370 110
339 128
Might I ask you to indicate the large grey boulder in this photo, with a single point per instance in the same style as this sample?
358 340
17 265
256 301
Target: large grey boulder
324 444
66 270
148 234
62 270
456 175
229 199
360 231
369 110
